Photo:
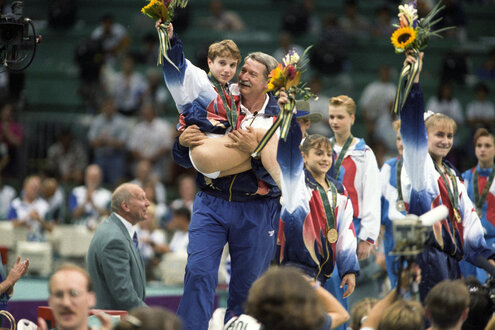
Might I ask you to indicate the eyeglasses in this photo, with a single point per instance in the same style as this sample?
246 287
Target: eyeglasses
73 294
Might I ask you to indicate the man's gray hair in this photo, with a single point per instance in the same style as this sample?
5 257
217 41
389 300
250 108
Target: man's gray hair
122 193
268 61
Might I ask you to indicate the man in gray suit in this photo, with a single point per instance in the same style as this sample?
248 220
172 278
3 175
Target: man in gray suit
114 263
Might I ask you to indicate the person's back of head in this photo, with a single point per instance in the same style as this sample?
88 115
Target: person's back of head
360 311
283 299
447 304
480 305
149 318
403 315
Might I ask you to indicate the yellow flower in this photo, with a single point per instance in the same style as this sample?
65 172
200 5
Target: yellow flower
270 87
155 9
403 37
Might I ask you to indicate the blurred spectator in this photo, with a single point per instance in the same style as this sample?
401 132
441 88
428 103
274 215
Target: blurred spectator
453 15
159 209
285 45
107 137
319 106
71 298
447 305
283 298
382 25
179 225
359 312
156 92
480 305
445 102
377 99
487 72
481 111
11 134
187 191
455 67
221 19
90 60
330 54
62 14
130 86
391 313
300 18
142 175
9 279
152 239
67 158
31 211
113 36
354 24
152 140
90 202
7 195
54 195
148 51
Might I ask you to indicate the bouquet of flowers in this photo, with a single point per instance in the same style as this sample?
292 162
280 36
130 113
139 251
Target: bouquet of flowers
164 10
412 35
287 75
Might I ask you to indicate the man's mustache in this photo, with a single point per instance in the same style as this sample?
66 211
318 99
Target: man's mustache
245 83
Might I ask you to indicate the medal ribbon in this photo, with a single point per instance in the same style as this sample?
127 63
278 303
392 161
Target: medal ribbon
453 201
480 200
340 159
232 110
453 197
329 210
329 215
398 171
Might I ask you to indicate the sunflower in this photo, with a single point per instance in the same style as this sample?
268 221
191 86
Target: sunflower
153 9
403 37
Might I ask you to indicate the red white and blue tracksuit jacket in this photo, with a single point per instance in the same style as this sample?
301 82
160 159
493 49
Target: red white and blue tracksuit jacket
487 213
302 232
197 100
449 241
360 176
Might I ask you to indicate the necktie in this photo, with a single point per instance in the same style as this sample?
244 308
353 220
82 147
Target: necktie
135 239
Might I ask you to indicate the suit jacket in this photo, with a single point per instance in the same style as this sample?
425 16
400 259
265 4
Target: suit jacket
116 268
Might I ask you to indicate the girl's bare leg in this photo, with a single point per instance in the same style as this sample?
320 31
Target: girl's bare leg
213 156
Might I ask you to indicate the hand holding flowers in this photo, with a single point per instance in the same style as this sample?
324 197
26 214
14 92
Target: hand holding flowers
163 12
412 35
286 77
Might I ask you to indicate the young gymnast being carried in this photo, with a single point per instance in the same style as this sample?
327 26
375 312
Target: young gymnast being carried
213 105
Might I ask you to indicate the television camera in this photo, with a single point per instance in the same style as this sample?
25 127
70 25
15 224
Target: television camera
410 236
18 39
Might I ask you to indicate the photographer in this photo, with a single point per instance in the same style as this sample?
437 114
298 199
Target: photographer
480 304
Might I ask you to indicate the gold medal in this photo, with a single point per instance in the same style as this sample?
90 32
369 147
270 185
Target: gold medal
332 235
400 205
457 216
